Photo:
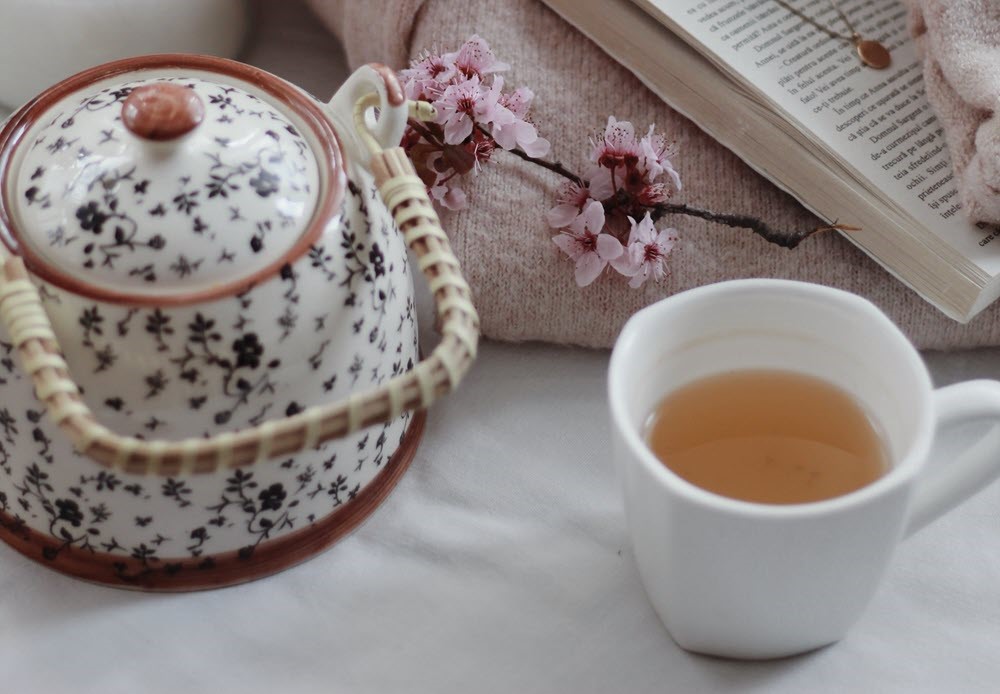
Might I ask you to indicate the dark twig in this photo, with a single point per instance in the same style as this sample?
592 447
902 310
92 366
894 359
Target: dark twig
424 132
785 239
553 166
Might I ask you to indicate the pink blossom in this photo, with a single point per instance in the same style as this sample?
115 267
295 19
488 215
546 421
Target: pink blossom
428 76
514 130
571 199
464 104
617 147
656 154
650 194
449 195
476 58
621 161
600 182
444 187
518 101
520 133
481 147
616 153
646 253
584 243
474 117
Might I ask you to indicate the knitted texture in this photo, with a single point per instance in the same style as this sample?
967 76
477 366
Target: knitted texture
960 43
523 286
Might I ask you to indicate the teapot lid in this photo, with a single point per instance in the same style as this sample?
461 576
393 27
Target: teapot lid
167 179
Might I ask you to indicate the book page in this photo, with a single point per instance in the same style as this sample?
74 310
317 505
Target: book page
878 121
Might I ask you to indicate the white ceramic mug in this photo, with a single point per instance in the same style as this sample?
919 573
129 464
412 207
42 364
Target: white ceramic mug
748 580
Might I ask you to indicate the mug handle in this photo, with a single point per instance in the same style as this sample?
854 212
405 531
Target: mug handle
943 487
404 194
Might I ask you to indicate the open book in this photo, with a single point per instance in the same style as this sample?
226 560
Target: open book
853 144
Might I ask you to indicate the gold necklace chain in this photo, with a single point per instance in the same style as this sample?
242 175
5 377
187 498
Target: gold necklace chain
825 29
871 53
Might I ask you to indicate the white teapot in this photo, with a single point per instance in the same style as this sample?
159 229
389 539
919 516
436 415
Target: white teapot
204 282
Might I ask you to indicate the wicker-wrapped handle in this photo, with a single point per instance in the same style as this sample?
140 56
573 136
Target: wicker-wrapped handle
404 194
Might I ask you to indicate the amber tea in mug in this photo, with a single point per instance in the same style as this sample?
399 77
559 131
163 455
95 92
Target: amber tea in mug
773 437
740 579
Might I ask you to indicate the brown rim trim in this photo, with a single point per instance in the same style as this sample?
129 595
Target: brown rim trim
304 107
393 89
217 570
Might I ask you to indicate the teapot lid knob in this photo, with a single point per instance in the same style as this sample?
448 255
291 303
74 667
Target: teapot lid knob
162 111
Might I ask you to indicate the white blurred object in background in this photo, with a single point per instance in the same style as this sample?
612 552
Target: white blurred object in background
43 41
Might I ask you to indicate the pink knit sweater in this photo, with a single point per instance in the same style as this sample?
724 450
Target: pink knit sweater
960 40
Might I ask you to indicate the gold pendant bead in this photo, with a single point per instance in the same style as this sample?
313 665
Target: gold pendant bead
873 54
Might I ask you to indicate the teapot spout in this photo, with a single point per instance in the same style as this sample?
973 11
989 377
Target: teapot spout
390 122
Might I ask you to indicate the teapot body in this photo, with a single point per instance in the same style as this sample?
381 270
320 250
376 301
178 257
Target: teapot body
336 318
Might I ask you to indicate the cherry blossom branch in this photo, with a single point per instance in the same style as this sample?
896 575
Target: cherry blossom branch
605 218
785 239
